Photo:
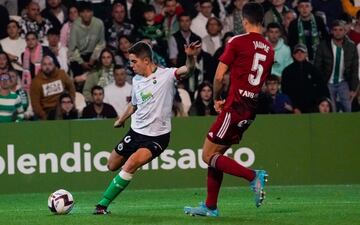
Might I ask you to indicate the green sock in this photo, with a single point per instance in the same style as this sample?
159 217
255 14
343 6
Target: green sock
117 185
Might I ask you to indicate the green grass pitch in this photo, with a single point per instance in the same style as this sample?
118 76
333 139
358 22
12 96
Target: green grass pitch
290 205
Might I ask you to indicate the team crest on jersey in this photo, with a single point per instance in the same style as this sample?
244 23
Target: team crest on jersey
154 80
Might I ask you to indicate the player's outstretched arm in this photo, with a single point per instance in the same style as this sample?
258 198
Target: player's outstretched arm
187 70
128 112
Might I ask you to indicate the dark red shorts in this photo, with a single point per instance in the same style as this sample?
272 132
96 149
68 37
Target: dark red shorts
230 126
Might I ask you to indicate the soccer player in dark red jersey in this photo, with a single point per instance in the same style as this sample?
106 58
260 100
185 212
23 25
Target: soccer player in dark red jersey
249 57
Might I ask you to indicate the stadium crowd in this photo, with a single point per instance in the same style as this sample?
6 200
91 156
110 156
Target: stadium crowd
68 59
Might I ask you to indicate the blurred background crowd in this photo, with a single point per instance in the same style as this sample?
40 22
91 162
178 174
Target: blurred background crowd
68 59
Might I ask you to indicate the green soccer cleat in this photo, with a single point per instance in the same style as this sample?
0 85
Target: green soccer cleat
258 184
202 210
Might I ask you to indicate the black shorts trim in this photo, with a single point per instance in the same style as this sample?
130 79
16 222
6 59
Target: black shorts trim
133 141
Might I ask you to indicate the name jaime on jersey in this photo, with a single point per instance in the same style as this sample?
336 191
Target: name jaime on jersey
261 45
83 158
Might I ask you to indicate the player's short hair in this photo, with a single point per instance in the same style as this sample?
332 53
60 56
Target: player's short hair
96 87
142 50
273 25
253 12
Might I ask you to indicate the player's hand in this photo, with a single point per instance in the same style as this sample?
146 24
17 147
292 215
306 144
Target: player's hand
192 48
119 123
219 105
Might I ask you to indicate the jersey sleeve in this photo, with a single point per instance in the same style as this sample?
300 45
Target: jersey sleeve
173 75
229 54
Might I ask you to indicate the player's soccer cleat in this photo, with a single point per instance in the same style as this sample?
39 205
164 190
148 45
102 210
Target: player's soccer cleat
101 210
202 210
258 184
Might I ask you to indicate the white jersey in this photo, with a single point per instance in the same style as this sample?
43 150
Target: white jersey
153 96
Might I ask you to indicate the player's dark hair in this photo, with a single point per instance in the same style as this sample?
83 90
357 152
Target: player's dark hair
253 12
96 87
141 50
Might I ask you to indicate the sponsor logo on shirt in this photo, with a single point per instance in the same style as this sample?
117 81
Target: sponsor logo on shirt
145 96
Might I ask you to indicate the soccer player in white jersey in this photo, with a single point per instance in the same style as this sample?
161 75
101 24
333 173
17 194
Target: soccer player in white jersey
150 110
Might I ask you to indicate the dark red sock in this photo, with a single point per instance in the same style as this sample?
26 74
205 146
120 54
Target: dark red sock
230 166
214 179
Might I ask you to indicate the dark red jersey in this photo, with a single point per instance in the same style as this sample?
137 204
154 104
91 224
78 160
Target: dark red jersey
250 58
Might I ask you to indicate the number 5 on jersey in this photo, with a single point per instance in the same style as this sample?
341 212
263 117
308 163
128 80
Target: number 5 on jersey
258 68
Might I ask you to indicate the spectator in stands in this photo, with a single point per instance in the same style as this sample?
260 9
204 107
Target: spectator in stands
324 105
204 71
66 28
5 64
354 33
101 8
178 107
276 12
102 75
32 21
14 45
212 41
224 41
179 39
350 7
204 104
302 82
98 109
117 26
308 29
150 28
47 87
289 16
4 20
57 49
134 10
282 51
87 39
332 9
122 55
169 17
31 59
233 22
56 13
11 6
118 93
198 24
337 59
272 101
159 6
11 108
15 86
65 109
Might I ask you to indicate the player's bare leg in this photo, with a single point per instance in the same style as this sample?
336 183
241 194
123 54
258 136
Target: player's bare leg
219 164
121 181
115 161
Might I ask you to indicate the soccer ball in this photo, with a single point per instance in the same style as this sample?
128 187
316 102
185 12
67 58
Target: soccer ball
60 202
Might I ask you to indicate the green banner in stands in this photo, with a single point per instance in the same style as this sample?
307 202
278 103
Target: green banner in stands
306 149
